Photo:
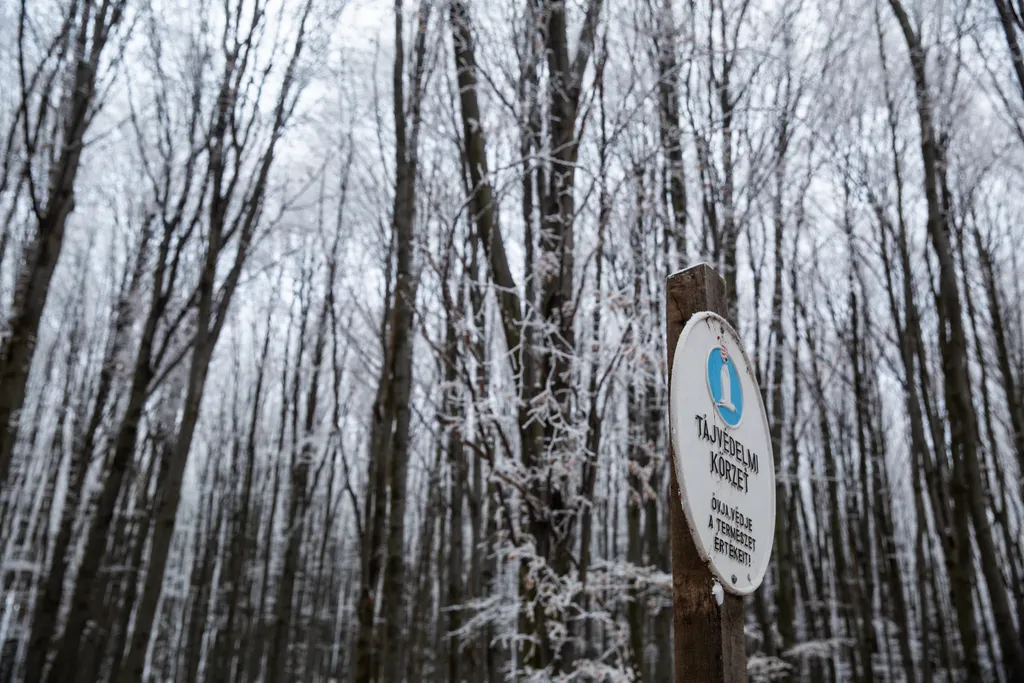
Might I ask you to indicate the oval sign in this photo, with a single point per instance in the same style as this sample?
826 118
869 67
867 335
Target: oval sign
723 453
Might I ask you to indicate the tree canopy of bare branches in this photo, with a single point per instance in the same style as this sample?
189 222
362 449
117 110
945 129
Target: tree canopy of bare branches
332 344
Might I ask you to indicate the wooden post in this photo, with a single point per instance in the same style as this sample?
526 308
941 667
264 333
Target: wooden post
709 642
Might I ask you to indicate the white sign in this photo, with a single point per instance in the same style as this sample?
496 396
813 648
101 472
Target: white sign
723 453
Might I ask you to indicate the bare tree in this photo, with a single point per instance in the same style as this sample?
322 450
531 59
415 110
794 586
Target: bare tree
371 385
964 435
48 173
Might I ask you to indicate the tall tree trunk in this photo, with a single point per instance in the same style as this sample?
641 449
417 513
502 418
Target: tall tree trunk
1010 21
375 517
86 593
783 556
453 419
963 418
834 523
207 546
47 607
863 544
278 657
634 540
1014 400
134 563
32 282
888 549
211 315
668 126
225 643
400 375
252 666
638 452
419 655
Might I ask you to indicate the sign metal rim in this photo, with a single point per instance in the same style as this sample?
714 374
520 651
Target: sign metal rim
756 402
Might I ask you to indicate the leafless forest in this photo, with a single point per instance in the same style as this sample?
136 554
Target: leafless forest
333 342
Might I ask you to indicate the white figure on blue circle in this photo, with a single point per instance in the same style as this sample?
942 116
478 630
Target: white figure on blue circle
724 385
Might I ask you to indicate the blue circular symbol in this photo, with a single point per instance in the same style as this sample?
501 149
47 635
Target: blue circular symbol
724 384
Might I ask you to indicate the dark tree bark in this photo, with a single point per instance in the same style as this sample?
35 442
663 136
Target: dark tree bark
47 607
783 555
453 418
400 372
639 453
1011 23
968 488
668 127
92 27
225 646
390 442
298 500
1014 400
201 579
211 315
556 301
